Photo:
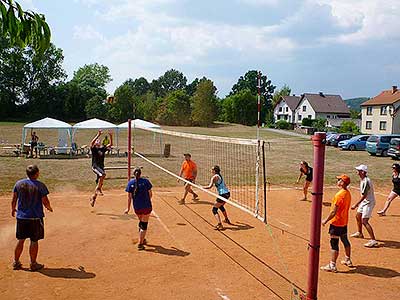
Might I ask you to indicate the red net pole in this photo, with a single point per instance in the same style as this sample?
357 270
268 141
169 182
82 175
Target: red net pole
316 209
129 148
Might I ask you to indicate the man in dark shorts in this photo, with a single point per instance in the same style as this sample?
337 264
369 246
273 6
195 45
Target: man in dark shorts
34 143
98 152
339 217
31 195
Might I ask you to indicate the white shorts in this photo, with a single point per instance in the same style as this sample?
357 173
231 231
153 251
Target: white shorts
366 210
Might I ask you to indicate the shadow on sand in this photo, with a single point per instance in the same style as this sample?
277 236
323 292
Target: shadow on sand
373 271
173 251
79 273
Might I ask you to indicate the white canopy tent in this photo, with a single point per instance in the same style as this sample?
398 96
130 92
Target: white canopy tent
138 123
93 124
49 123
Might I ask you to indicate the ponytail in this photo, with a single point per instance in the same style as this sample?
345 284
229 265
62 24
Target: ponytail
137 174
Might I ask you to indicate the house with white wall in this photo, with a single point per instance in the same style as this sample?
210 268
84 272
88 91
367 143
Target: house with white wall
380 115
321 106
285 108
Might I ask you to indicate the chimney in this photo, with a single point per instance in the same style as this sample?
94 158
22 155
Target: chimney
321 94
293 95
394 89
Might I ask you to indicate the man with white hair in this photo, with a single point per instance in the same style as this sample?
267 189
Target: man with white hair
365 206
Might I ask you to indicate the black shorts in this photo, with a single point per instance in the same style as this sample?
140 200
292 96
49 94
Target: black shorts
226 196
98 171
337 230
191 180
33 145
30 228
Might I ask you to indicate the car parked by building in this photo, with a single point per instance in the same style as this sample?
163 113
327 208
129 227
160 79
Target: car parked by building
355 143
394 148
340 137
378 144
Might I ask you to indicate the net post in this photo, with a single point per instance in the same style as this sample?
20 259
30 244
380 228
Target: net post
316 209
129 148
257 206
265 182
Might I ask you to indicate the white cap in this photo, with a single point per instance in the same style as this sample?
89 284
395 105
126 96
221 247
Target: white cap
362 168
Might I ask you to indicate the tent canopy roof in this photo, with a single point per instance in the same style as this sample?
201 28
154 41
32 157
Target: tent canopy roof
138 123
48 123
94 124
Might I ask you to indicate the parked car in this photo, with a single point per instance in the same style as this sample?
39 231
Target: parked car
394 148
355 143
329 138
379 144
340 137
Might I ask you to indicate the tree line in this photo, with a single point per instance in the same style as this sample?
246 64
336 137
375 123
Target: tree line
34 85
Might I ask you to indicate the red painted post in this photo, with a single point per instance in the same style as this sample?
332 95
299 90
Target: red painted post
316 209
129 148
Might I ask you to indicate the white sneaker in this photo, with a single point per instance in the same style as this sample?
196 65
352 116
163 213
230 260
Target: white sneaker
371 244
347 262
357 235
329 268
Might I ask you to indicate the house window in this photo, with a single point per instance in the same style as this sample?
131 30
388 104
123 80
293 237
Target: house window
280 109
368 125
304 108
309 116
287 109
382 125
299 117
328 116
369 110
383 110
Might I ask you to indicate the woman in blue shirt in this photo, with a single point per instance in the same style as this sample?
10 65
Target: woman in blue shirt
140 194
223 191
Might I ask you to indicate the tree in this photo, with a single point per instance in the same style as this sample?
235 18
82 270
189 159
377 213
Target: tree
284 91
172 80
249 82
191 88
349 126
282 124
174 109
93 76
149 106
126 102
96 108
307 122
24 28
204 103
319 124
240 108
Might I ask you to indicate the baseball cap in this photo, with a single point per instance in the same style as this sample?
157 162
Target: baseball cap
187 154
362 168
344 178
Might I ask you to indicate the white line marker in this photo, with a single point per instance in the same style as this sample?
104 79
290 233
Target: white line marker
167 230
222 295
287 225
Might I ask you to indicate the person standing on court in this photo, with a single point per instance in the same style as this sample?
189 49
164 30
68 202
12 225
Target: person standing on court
189 172
34 143
98 153
307 171
218 181
339 217
140 193
31 195
395 191
365 205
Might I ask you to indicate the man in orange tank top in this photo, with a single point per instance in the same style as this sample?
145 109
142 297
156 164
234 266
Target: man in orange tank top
189 172
339 217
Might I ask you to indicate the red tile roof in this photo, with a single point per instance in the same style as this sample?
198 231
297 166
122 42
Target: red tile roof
384 98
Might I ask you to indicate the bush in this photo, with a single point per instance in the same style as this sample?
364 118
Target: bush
307 122
282 124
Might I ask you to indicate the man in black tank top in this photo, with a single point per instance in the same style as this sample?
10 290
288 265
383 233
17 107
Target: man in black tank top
98 153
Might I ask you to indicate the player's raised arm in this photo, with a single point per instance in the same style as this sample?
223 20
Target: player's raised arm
95 138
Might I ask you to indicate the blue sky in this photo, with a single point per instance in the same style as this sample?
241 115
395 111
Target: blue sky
346 47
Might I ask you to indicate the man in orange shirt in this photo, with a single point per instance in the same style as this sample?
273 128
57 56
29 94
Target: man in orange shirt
189 172
339 217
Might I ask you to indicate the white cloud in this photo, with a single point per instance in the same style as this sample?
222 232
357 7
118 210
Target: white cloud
260 2
87 33
376 19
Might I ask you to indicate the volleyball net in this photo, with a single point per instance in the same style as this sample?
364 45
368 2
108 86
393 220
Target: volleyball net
240 160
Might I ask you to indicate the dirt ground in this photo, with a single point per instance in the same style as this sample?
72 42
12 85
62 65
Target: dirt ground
91 253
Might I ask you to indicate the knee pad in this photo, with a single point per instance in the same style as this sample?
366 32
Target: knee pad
222 208
335 244
215 210
143 225
345 240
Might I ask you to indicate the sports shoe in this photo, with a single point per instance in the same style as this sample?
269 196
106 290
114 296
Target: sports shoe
140 246
357 235
181 202
329 268
195 197
347 262
381 213
227 221
36 266
92 201
219 227
371 244
100 192
17 265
